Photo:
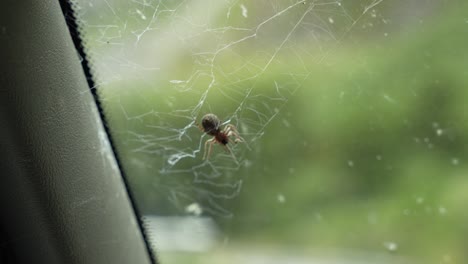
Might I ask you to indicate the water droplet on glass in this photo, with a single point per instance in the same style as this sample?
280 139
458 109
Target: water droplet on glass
281 198
390 246
247 163
442 210
439 132
419 200
194 209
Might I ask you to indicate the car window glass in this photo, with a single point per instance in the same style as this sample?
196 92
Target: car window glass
289 131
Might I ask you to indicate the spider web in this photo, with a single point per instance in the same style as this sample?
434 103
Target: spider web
162 65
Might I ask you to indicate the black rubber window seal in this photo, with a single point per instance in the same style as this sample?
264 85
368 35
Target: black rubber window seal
72 23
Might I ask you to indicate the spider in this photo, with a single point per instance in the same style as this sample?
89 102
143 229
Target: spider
211 126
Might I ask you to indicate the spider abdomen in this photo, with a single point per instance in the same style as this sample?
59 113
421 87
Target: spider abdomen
210 124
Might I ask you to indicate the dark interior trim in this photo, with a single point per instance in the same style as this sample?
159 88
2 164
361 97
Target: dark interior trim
62 195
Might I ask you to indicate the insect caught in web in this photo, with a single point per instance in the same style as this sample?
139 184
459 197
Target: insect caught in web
210 124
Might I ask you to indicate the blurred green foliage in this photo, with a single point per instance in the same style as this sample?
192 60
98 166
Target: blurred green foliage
370 149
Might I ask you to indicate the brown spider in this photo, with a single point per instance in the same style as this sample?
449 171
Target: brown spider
211 126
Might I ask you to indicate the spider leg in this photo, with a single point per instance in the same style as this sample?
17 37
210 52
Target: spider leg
236 136
226 147
231 130
207 152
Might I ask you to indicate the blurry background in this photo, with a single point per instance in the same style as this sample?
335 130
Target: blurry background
354 115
